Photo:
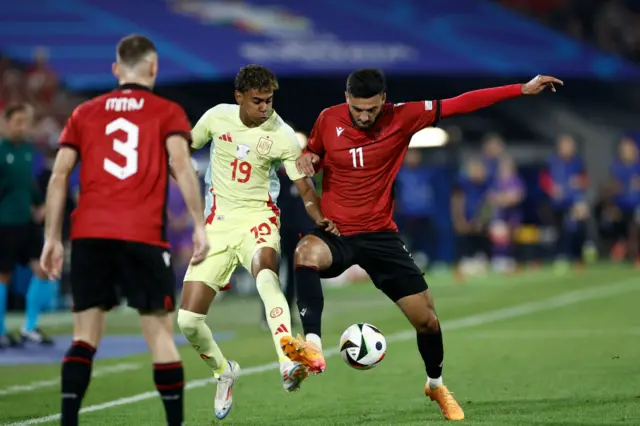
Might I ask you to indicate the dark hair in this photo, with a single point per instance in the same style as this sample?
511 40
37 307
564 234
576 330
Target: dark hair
256 77
366 83
133 48
14 109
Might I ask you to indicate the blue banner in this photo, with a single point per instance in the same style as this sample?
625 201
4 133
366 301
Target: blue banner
213 39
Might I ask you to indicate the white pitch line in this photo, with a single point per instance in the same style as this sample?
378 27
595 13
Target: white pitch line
566 299
41 384
554 334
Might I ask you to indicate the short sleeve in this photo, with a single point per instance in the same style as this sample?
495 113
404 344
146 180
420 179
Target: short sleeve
415 116
290 155
201 133
70 137
177 123
315 143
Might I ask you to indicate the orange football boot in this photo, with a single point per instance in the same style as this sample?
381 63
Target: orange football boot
448 405
304 352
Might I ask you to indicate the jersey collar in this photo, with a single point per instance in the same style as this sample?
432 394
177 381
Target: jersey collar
133 86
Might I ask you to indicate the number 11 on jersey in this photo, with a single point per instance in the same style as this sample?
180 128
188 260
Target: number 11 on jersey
357 157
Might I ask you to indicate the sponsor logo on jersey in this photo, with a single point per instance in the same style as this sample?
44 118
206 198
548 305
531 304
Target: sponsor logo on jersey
242 151
281 329
226 137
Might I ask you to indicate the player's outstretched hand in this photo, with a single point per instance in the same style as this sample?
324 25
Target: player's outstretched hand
200 245
539 83
306 163
328 226
51 259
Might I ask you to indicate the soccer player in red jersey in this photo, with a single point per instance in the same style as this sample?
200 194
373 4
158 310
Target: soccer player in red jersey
126 140
360 145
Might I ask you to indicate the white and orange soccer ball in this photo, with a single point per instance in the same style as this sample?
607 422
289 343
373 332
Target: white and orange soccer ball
362 346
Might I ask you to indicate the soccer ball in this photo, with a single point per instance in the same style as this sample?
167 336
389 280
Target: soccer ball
362 346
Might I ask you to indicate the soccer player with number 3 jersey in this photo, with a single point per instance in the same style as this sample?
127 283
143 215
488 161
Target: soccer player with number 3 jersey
249 142
125 140
361 144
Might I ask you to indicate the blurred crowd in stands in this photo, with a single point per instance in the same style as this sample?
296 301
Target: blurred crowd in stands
485 198
488 213
612 25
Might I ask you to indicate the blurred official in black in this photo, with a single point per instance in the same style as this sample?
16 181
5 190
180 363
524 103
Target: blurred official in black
294 222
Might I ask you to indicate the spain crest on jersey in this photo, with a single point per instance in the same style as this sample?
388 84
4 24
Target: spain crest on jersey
264 146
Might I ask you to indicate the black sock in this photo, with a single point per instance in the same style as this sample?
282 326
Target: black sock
169 380
76 374
310 299
432 351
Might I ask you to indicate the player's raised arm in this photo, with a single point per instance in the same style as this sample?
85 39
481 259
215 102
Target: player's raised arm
477 99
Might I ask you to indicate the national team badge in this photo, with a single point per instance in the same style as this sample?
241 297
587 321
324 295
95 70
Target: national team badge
242 151
264 146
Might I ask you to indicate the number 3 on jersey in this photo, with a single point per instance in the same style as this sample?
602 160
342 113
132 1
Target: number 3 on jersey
357 156
127 148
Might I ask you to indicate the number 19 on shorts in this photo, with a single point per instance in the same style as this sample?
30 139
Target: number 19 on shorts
357 157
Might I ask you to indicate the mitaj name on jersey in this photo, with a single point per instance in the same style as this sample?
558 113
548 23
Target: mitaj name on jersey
124 104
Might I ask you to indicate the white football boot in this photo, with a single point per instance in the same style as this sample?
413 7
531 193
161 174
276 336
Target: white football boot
293 374
224 397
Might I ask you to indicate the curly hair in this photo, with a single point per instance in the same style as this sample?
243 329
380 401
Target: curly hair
256 77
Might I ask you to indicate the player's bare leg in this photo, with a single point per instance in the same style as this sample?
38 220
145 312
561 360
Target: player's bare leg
88 329
312 255
419 310
194 306
264 265
168 373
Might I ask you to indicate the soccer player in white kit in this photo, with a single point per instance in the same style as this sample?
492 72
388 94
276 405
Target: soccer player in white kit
249 143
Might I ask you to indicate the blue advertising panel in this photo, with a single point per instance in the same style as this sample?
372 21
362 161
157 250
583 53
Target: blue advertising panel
212 39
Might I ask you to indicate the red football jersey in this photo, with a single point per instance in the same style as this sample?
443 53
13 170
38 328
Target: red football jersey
124 166
360 166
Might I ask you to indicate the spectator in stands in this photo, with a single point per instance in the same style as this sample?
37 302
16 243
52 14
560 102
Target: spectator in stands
565 182
612 231
295 222
415 208
492 150
470 214
626 174
505 196
41 81
20 239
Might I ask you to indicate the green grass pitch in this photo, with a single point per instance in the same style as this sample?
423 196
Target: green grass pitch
531 349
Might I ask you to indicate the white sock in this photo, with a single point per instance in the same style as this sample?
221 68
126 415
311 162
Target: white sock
285 364
434 383
315 339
